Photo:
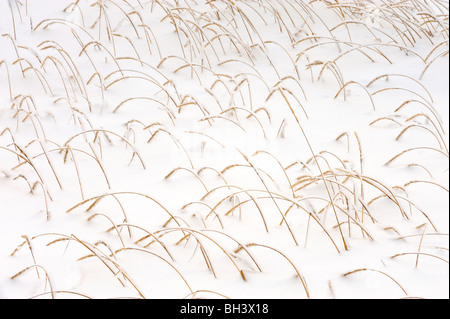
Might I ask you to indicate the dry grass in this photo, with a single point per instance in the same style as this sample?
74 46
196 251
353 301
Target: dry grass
252 86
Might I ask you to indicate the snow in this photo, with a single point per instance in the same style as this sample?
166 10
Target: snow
187 158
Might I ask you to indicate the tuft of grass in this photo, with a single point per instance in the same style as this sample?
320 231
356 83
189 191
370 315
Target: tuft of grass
208 78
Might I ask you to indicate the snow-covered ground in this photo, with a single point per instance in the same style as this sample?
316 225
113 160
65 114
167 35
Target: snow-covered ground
224 149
